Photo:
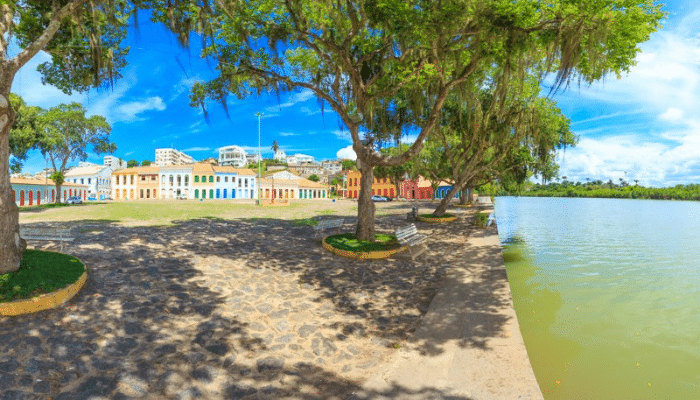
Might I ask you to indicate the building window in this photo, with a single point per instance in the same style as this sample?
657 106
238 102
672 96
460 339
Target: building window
196 179
218 179
187 180
89 181
132 179
196 191
141 194
246 182
225 178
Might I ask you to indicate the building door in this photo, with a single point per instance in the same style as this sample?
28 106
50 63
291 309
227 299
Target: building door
21 198
38 197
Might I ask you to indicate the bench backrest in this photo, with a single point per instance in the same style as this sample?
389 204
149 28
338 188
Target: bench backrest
330 223
45 232
406 232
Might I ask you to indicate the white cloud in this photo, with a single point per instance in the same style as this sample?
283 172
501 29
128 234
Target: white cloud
346 152
128 112
672 115
27 84
627 157
195 149
295 98
289 134
343 135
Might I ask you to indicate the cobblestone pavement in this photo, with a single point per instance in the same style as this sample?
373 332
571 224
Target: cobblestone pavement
221 309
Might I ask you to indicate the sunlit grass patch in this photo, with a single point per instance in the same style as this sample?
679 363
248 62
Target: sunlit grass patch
347 241
40 272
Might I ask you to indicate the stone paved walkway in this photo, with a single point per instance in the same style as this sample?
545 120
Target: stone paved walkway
222 309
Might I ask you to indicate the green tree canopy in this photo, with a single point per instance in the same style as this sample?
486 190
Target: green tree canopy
146 163
314 178
25 131
400 59
132 163
68 133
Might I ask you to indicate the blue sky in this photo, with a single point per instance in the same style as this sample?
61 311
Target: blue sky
645 126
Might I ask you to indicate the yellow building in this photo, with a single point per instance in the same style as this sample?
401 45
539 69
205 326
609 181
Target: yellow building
135 183
380 186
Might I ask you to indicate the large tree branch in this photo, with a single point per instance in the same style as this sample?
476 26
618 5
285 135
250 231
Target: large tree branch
39 43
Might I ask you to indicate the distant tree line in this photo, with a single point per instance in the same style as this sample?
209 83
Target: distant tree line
600 189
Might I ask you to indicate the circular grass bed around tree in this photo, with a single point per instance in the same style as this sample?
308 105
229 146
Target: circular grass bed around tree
347 245
436 219
40 272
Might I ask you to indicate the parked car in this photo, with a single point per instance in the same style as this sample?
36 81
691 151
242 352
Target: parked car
182 196
74 200
379 198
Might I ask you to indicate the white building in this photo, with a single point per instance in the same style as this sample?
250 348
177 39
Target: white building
175 181
280 155
114 162
232 155
252 158
172 157
96 177
332 167
300 159
234 183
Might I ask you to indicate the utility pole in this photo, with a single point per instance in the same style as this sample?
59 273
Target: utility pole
259 190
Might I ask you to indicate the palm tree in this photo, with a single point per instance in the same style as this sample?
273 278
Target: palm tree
275 147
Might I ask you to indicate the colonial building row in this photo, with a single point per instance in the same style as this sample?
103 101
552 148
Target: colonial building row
30 192
420 188
206 181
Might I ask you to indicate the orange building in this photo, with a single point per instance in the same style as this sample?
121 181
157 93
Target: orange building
135 183
380 186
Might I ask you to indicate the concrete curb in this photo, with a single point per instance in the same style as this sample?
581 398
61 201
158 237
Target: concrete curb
44 301
370 255
469 344
436 220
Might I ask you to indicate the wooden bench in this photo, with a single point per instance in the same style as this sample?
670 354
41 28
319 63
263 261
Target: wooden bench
411 216
59 234
328 224
409 236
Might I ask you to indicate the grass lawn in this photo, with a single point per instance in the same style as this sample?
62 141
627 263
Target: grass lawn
445 215
347 241
40 272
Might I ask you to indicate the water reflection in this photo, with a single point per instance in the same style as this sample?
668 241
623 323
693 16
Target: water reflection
606 294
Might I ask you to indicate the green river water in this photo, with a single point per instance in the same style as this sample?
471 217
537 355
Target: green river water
607 294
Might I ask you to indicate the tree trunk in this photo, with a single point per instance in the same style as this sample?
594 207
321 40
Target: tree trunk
463 196
471 195
11 244
442 207
59 199
365 206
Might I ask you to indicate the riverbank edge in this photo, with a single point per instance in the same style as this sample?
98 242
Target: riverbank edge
443 357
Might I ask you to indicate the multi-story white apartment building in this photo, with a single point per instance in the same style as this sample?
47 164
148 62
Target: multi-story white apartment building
232 155
252 158
175 181
331 167
300 159
172 157
114 162
96 177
